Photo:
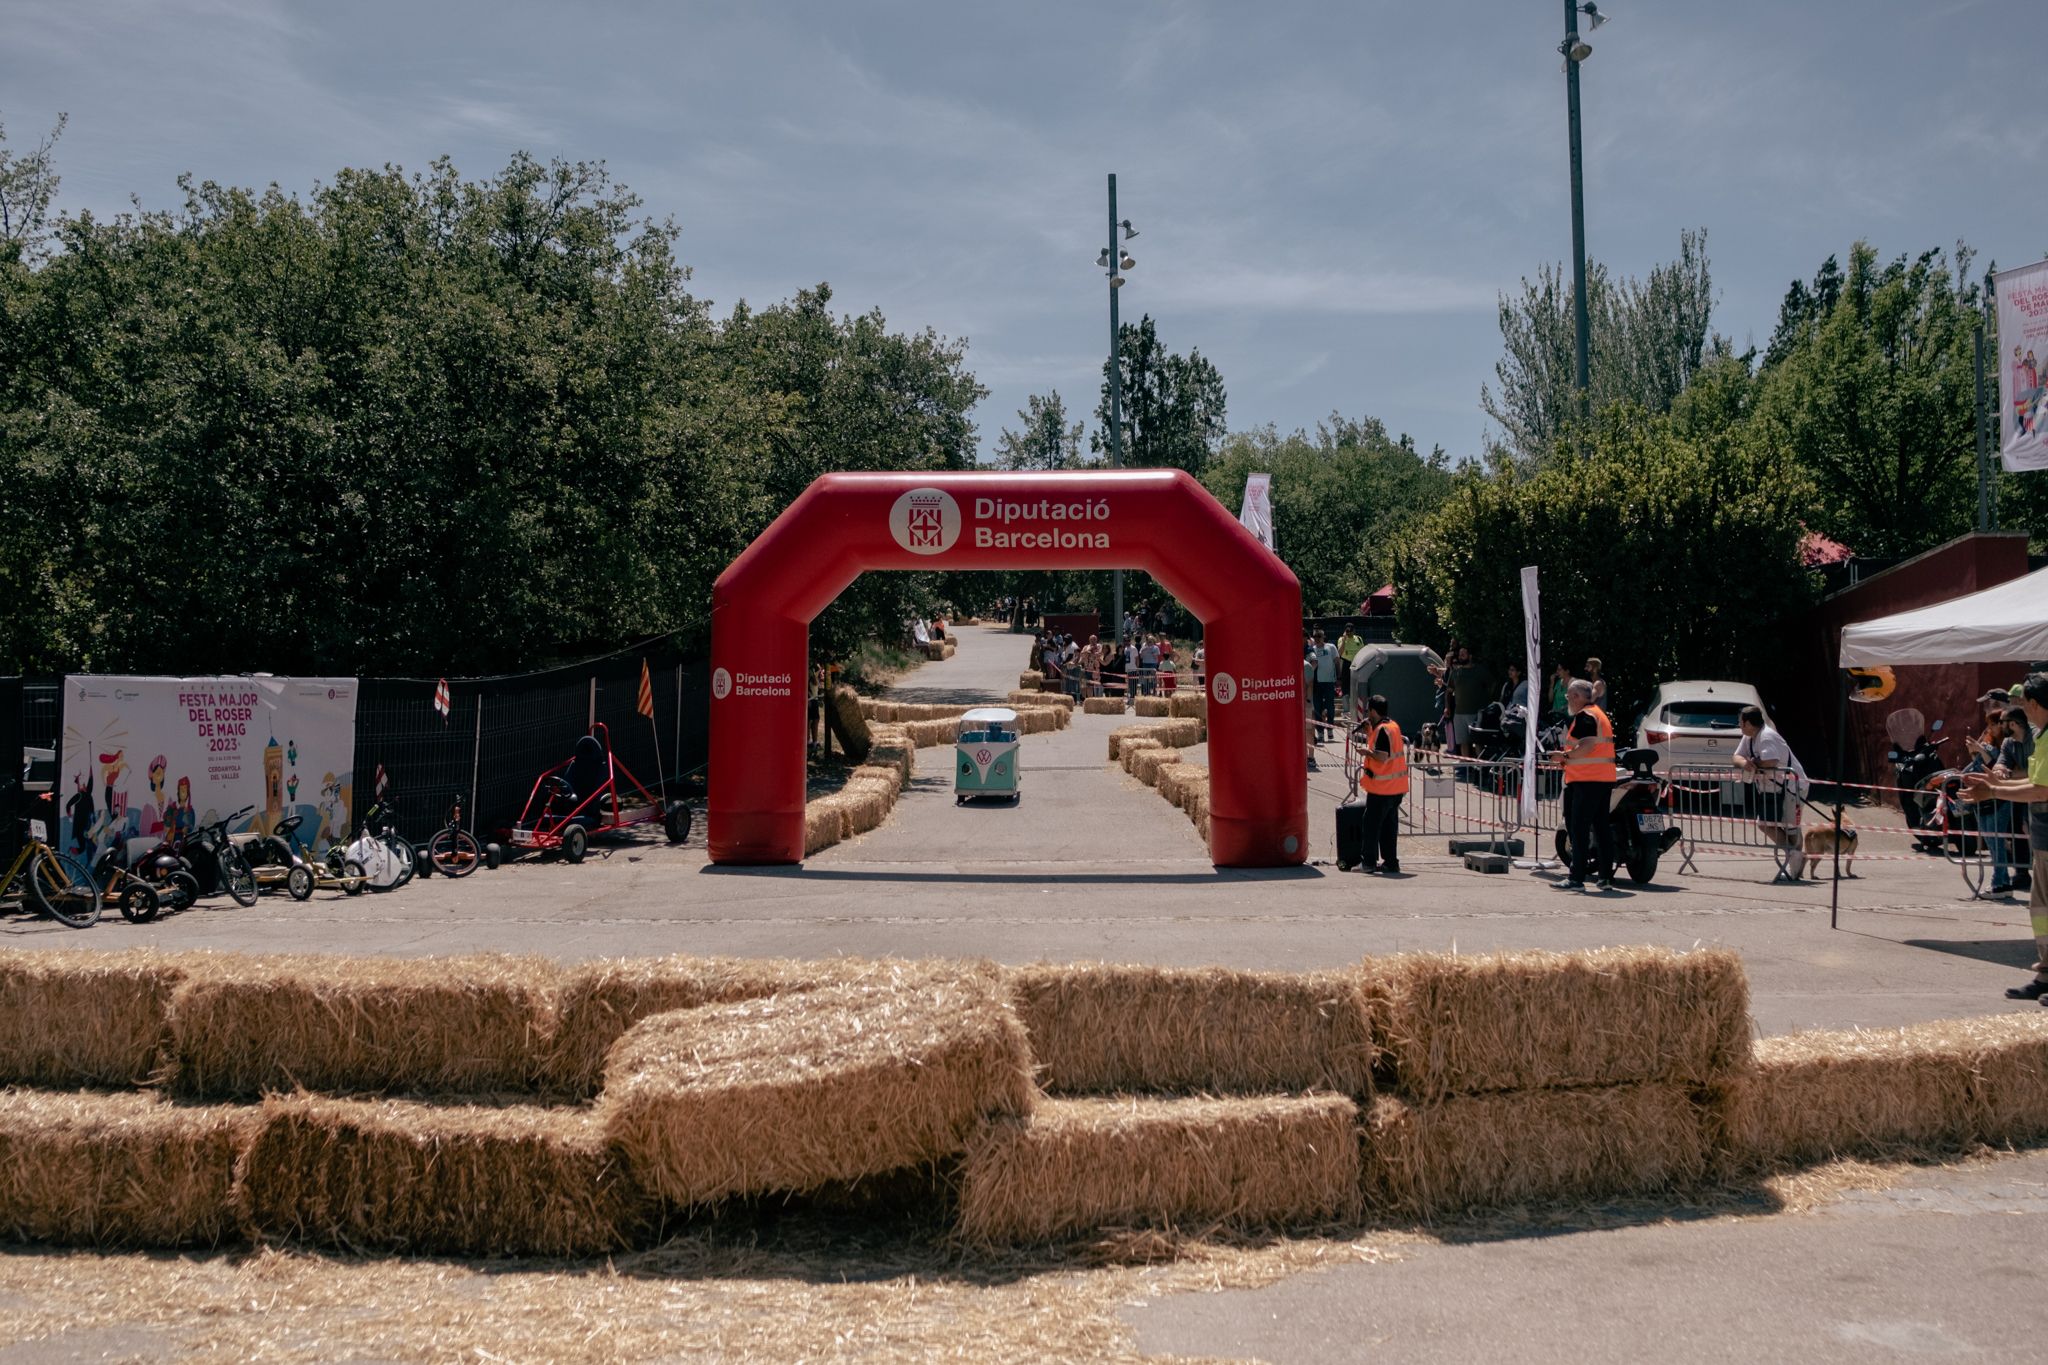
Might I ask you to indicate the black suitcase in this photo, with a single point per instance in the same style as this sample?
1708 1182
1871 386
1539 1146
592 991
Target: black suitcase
1350 836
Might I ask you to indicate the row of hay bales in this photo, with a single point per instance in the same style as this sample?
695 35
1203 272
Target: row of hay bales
1151 753
935 650
869 793
1055 1099
1176 704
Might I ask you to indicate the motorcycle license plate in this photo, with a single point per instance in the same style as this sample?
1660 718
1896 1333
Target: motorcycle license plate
38 831
1653 824
523 838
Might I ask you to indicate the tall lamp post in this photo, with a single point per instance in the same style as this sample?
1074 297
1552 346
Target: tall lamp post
1114 260
1576 50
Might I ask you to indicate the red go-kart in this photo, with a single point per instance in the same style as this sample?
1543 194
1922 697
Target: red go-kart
581 797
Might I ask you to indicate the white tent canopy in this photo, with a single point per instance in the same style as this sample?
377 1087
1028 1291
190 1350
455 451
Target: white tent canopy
2002 624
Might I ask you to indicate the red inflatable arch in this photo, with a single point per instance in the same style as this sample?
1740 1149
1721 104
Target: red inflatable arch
1160 521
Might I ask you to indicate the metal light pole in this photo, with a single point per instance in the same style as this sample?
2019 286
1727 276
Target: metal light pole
1576 51
1112 258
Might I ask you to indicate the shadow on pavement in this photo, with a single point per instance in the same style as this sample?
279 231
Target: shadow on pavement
2004 952
835 874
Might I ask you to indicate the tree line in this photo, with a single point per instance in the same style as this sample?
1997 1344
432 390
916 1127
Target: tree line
419 423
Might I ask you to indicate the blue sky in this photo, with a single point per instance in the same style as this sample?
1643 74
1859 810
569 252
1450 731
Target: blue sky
1330 195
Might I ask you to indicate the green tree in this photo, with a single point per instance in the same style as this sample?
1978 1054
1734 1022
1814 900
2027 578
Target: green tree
1045 440
1666 554
1173 405
417 423
1341 499
28 184
1647 339
1869 383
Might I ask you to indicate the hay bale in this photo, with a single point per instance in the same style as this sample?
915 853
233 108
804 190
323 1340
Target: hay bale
462 1180
1152 706
1195 801
1146 763
843 714
70 1017
865 806
1175 778
1030 680
824 824
1125 732
1074 1166
1106 1028
1133 749
882 777
1517 1021
925 733
1875 1092
1532 1146
1064 700
1103 706
600 1001
241 1026
117 1170
1188 705
896 753
799 1090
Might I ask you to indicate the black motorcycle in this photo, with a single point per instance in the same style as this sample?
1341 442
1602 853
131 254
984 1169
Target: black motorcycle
1640 819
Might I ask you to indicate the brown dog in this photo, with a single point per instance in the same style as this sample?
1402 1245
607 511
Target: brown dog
1819 841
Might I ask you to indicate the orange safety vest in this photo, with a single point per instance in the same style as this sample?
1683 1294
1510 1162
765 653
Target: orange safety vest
1597 763
1386 774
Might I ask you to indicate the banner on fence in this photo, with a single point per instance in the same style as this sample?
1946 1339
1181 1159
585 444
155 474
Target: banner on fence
2023 366
147 756
1532 674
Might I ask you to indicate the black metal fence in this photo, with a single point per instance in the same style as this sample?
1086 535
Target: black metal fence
499 734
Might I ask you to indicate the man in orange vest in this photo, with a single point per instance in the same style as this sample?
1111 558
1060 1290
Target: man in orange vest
1589 776
1385 782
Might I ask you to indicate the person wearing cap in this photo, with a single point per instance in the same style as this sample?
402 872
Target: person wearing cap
2030 791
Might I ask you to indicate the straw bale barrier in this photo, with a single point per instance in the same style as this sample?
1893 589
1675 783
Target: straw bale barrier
1171 734
1103 706
1517 1021
465 1180
795 1091
1532 1146
1932 1086
1065 699
1030 680
241 1026
1074 1166
1175 777
824 824
1146 763
1133 748
117 1170
851 724
1152 706
1106 1028
71 1017
925 733
892 749
1188 705
599 1001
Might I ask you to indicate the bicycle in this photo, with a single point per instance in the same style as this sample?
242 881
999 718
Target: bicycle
454 851
59 884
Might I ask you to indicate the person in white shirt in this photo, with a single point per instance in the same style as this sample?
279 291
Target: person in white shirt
1764 759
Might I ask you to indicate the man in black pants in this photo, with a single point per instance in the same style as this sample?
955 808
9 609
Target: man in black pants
1385 782
1589 777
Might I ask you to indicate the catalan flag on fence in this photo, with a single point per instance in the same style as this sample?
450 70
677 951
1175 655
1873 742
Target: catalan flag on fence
441 698
646 703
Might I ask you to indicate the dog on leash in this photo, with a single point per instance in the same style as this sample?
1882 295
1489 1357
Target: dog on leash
1821 840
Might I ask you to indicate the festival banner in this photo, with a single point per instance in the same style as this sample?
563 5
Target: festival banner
2023 366
143 757
1257 511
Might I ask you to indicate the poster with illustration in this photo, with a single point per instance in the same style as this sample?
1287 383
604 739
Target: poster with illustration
148 757
2023 366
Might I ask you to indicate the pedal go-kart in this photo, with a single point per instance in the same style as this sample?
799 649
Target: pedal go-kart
277 860
592 792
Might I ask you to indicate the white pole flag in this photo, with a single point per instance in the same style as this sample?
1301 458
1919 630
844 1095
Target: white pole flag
1257 512
1532 622
2023 366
